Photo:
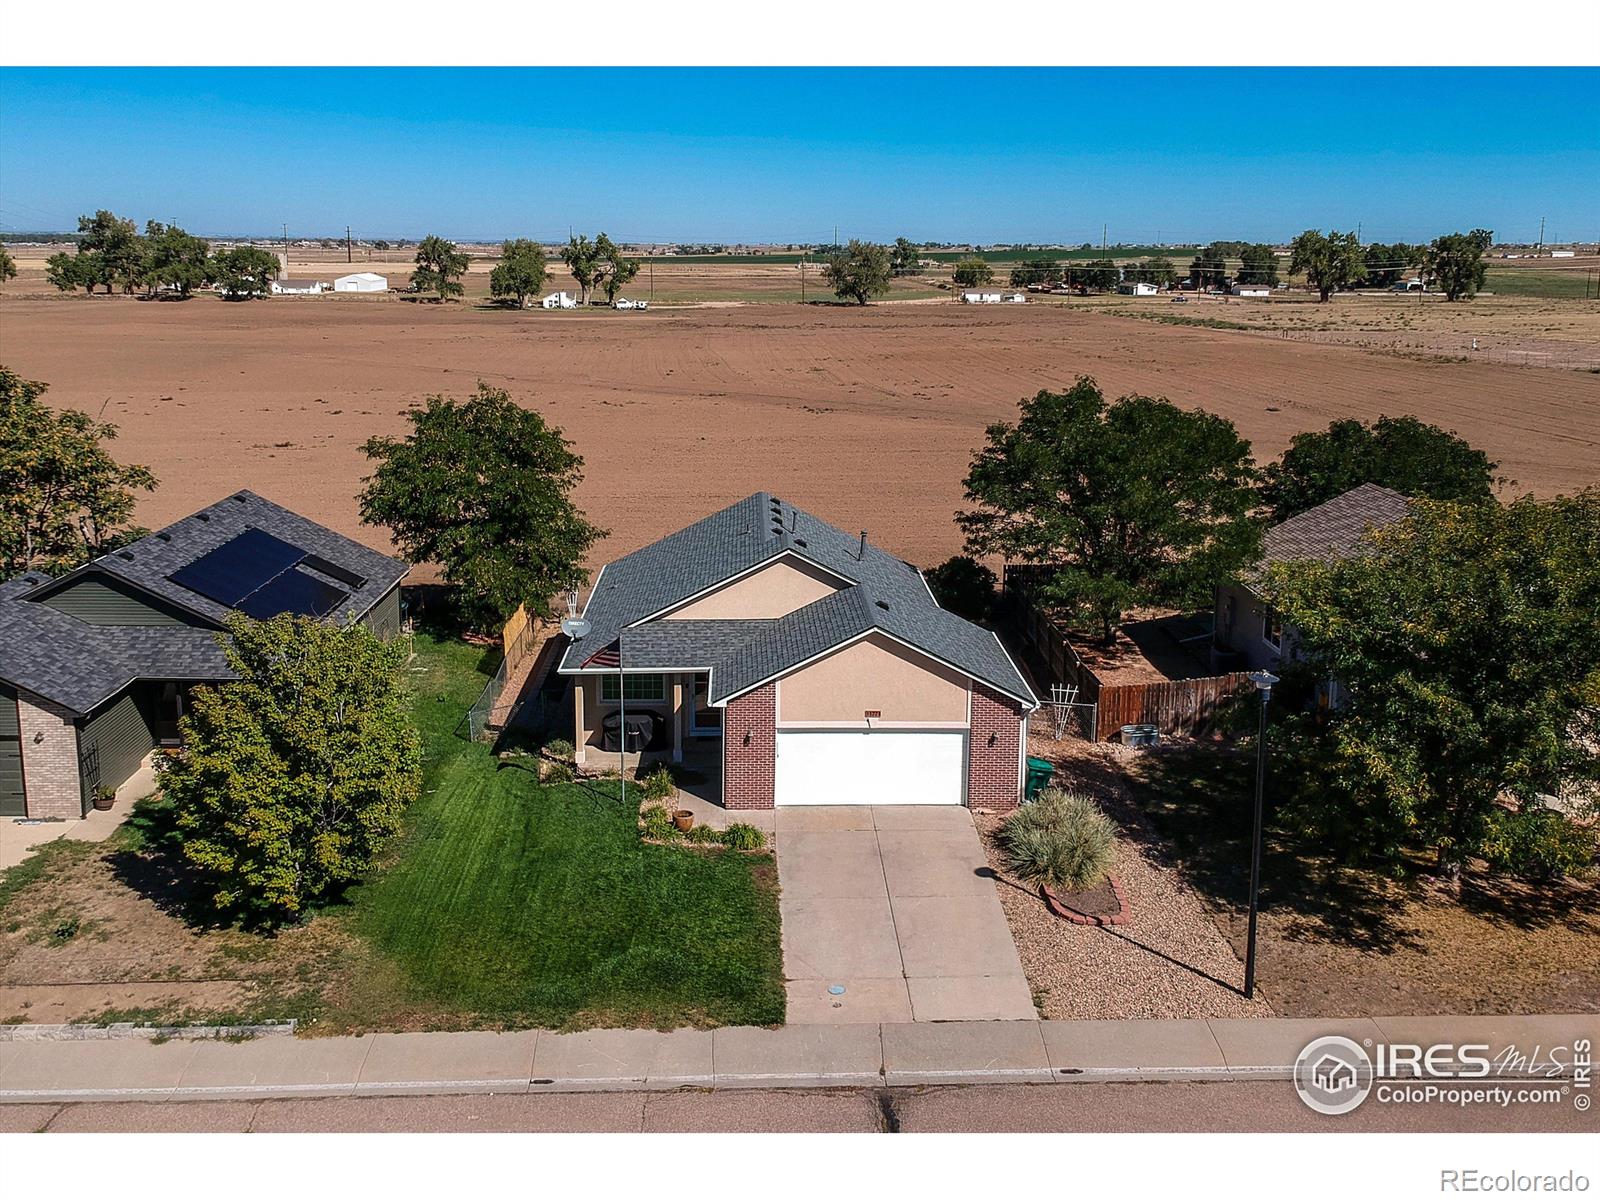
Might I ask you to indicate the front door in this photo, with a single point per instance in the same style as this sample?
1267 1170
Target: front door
704 721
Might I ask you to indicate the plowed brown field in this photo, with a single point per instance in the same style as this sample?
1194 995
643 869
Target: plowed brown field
865 416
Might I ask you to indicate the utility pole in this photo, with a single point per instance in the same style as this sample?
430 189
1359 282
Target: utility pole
652 274
1539 253
1103 229
286 243
802 276
347 257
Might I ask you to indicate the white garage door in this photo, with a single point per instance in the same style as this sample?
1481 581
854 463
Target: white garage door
880 767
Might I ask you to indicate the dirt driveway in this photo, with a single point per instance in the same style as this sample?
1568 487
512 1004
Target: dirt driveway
896 906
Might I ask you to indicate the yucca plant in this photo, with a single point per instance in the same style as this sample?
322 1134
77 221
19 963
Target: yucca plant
1061 840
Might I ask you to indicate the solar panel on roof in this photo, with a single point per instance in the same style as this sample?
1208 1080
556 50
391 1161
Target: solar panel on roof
238 567
293 592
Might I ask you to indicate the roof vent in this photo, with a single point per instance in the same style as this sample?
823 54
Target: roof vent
883 604
123 554
241 498
163 537
801 542
203 517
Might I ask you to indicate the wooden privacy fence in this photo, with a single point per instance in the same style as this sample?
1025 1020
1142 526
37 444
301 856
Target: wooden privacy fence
1172 706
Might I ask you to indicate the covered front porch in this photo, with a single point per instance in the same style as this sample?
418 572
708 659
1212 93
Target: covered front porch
668 720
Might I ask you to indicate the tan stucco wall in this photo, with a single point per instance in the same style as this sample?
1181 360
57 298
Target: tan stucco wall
875 673
773 591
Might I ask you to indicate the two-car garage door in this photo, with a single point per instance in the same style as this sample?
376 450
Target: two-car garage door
880 766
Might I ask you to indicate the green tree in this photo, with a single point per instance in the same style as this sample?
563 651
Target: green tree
1259 264
617 268
963 585
174 259
113 241
1330 261
63 498
972 272
1209 267
440 267
8 266
292 777
520 272
903 257
1388 265
244 272
1159 271
1102 275
585 260
1412 457
1455 264
484 489
1035 270
1132 503
858 272
1467 650
68 271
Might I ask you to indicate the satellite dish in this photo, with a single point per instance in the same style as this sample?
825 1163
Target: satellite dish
575 627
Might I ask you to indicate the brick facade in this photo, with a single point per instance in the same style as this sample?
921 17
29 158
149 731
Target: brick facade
749 749
993 770
49 758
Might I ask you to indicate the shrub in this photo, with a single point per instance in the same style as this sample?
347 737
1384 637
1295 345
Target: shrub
656 824
556 772
1537 844
963 585
740 836
559 748
1061 840
658 785
701 834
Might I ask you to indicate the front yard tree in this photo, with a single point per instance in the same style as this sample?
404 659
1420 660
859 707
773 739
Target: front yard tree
440 267
859 271
175 259
520 272
903 257
1454 263
972 272
1411 456
1330 261
291 777
63 498
244 272
1468 652
484 488
1136 502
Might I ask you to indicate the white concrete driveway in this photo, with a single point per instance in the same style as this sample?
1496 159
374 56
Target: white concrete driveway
889 904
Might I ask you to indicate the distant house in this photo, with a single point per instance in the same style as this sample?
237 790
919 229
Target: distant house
1248 634
96 665
1257 291
361 281
298 287
558 300
981 297
1137 289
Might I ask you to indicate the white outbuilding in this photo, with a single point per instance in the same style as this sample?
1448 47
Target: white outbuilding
361 281
558 300
298 287
980 297
1137 289
1256 291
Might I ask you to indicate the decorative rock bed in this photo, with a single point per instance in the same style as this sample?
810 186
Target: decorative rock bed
1101 906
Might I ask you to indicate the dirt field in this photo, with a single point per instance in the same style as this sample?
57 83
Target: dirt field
866 416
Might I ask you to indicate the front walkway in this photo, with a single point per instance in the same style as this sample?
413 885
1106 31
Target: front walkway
20 837
895 907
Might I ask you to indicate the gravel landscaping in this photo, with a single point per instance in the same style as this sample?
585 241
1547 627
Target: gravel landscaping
1170 960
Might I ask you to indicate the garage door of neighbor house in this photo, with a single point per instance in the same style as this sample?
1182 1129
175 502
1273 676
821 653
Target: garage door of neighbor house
12 801
883 766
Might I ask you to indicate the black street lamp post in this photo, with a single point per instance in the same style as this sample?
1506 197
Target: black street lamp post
1263 681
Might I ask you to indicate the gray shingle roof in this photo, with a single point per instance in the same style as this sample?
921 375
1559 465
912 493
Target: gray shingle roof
887 594
80 665
148 562
1334 528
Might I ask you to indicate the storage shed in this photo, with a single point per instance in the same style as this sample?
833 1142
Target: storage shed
361 281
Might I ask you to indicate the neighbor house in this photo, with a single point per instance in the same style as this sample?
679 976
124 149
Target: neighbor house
298 287
1136 288
801 664
1248 634
96 665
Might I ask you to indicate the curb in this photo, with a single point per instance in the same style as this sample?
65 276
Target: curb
128 1030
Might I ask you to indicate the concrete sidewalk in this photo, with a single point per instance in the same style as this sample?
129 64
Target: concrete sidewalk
901 1054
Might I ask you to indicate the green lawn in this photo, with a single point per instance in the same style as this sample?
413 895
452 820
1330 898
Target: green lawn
1558 284
540 906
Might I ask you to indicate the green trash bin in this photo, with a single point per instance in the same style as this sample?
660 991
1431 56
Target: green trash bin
1039 772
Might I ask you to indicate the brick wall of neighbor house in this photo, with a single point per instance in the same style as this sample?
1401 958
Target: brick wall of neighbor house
748 771
49 758
992 771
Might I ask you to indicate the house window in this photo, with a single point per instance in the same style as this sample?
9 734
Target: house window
634 688
1272 629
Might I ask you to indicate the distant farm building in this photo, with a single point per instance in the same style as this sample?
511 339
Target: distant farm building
361 281
1137 289
1259 291
298 287
1562 253
558 300
980 297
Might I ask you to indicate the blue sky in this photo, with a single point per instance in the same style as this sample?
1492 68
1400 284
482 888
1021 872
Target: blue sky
785 155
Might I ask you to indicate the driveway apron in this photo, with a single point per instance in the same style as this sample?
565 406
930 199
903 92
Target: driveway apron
886 917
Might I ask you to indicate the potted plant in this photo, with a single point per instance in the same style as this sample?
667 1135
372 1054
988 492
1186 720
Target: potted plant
104 798
683 819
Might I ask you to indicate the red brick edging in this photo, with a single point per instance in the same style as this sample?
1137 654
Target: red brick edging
1067 913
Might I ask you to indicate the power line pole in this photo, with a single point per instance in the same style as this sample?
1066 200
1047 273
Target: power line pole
1539 253
347 257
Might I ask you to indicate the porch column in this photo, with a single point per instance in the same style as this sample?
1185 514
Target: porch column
677 718
580 735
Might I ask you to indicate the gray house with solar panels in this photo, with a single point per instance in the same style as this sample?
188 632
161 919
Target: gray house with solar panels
96 666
